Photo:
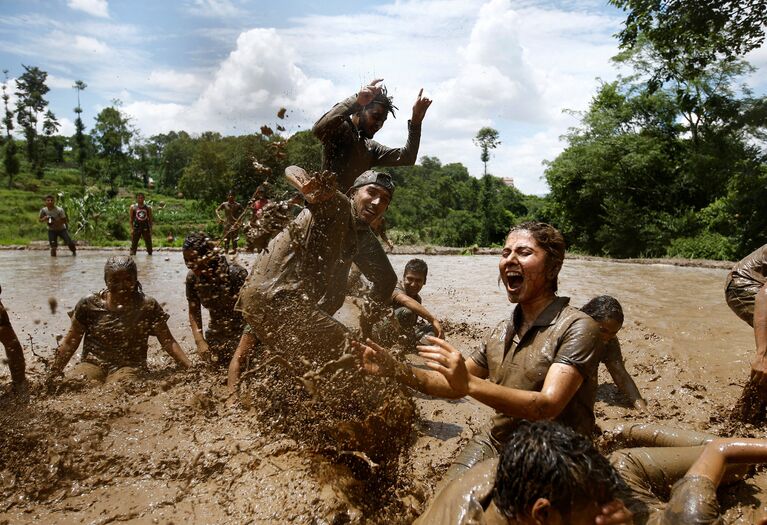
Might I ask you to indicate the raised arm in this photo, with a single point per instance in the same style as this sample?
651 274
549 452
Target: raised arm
408 154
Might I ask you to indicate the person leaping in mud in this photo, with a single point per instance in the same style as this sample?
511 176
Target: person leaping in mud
746 295
116 323
13 351
232 211
214 283
348 149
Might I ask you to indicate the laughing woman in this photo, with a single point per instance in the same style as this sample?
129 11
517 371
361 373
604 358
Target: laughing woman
116 323
534 365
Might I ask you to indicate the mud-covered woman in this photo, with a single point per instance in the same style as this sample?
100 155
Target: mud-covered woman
116 324
534 365
214 283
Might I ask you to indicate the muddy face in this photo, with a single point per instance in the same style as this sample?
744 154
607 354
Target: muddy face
121 283
371 202
413 282
609 328
372 119
195 262
523 267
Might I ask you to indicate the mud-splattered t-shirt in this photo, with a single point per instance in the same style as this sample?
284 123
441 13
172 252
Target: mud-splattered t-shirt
312 256
218 293
56 218
348 154
117 338
560 334
232 211
400 289
753 267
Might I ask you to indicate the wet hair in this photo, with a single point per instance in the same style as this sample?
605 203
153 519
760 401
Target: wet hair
49 196
199 242
552 242
120 263
385 100
544 459
604 307
418 266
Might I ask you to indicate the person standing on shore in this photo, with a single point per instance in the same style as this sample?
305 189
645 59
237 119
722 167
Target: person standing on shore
348 150
141 223
232 211
57 222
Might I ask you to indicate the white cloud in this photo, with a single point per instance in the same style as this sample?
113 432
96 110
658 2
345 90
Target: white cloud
214 9
98 8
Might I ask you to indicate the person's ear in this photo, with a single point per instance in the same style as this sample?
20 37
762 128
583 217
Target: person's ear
541 513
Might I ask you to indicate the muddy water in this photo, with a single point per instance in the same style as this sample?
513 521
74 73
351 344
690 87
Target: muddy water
174 452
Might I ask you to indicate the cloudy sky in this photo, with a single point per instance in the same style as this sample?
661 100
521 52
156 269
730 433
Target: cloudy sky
229 65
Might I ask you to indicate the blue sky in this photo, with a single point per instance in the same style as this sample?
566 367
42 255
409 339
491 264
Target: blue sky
228 65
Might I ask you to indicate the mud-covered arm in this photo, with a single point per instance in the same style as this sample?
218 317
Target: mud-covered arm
614 362
329 123
413 305
170 345
67 348
248 341
719 453
404 156
13 349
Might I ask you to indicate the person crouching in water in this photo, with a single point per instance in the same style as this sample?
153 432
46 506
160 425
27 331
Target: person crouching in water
116 323
214 283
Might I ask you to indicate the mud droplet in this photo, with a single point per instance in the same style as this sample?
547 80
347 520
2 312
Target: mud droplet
281 113
53 303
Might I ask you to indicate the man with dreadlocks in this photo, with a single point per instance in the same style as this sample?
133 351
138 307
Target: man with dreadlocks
116 323
213 282
348 149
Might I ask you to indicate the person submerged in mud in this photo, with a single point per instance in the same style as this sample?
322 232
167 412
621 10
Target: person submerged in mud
116 324
548 474
746 295
291 294
232 211
607 312
348 149
13 351
408 307
213 282
539 364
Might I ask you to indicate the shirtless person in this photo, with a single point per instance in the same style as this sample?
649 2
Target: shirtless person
348 149
116 324
213 282
549 475
746 294
13 350
57 222
141 223
232 211
291 293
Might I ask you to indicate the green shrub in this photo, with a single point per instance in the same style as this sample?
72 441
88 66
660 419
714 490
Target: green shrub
705 245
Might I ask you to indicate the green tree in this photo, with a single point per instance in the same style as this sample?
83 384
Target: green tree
175 151
208 176
10 158
31 90
80 146
486 139
112 135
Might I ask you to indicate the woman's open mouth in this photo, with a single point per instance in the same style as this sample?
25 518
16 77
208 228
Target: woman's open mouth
514 281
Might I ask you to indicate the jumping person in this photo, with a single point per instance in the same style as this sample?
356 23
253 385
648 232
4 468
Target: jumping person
539 362
13 351
57 222
348 149
232 211
116 324
608 314
213 282
141 223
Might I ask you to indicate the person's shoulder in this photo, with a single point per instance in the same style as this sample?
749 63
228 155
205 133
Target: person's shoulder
191 278
150 303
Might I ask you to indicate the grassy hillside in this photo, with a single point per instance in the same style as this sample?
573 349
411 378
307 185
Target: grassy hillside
95 217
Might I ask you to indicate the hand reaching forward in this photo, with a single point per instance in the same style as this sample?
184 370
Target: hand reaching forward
442 357
376 360
369 92
419 108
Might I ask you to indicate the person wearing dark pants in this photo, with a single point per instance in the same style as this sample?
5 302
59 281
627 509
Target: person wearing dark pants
140 225
57 221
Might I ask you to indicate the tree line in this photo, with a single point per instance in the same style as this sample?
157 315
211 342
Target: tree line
668 160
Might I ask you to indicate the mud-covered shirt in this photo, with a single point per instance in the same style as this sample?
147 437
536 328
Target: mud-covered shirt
56 218
114 339
752 267
400 289
142 216
560 334
312 256
218 293
348 154
232 211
